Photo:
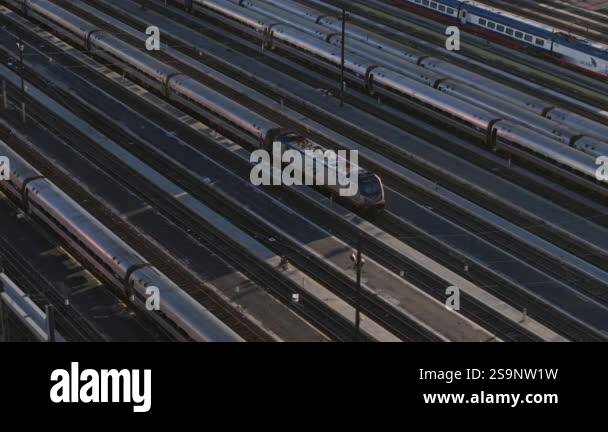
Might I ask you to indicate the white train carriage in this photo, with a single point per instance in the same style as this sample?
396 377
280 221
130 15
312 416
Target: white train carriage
108 254
66 24
44 200
579 122
320 49
137 64
252 19
506 110
487 85
462 111
176 305
278 15
380 57
542 145
333 24
202 99
460 108
591 146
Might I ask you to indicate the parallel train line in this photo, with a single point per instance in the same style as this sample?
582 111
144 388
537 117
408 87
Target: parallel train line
264 275
303 109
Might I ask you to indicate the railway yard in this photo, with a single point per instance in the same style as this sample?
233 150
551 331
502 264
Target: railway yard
128 209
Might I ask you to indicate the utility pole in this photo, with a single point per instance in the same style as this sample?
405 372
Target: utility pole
4 96
357 258
3 324
20 48
342 84
50 323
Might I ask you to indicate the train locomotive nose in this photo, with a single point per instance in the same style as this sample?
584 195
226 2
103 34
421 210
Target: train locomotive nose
371 191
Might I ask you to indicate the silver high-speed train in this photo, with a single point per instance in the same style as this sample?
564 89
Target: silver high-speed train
179 313
564 144
190 93
430 70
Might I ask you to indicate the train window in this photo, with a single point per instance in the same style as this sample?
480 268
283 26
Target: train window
528 38
369 186
519 35
450 11
491 24
426 2
418 1
442 8
540 42
509 31
500 28
482 21
434 5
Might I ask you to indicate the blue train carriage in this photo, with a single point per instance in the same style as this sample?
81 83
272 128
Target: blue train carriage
591 58
517 32
444 10
492 23
508 28
566 49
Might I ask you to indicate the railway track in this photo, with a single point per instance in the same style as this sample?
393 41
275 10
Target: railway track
381 308
368 105
432 284
380 313
276 95
161 259
69 322
572 10
265 234
371 304
340 330
577 10
488 59
318 115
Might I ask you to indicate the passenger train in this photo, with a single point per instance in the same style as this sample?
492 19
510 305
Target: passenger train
566 147
516 31
190 93
179 313
409 62
589 140
542 136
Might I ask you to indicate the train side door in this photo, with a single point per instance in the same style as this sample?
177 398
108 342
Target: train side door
462 16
